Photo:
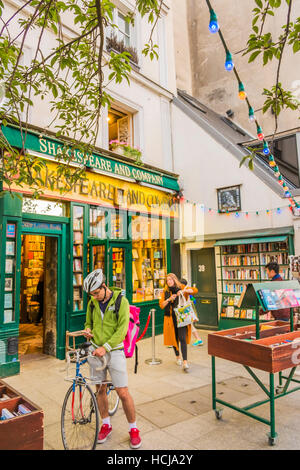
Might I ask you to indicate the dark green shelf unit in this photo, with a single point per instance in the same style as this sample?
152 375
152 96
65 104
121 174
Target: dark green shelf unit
226 322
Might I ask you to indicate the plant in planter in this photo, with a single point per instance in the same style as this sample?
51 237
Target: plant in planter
113 43
127 150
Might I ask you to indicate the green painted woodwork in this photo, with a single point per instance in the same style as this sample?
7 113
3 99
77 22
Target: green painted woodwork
51 147
204 277
11 204
247 241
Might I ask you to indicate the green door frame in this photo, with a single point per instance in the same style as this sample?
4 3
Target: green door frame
128 264
109 244
61 275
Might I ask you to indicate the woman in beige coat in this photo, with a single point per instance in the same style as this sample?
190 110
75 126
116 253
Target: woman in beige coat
173 335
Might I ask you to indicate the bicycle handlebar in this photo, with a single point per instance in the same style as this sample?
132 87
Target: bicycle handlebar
89 354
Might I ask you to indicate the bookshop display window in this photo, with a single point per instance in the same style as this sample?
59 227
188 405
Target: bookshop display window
246 263
98 219
78 213
99 257
149 263
118 268
118 223
10 268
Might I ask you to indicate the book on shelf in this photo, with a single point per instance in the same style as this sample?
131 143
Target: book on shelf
77 266
236 313
78 237
230 312
249 314
243 313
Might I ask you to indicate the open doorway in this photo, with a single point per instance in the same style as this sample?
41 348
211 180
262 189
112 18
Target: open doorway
38 302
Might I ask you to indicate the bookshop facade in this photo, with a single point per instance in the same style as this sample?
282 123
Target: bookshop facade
119 218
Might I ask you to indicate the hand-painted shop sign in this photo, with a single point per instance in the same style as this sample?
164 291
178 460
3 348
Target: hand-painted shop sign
54 148
41 226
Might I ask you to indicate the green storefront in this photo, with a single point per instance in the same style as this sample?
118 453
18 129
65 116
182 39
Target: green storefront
119 218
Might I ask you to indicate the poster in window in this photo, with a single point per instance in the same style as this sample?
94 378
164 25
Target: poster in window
9 266
229 199
8 299
11 230
8 284
10 248
8 316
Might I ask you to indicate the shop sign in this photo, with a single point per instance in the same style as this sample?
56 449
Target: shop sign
54 148
102 190
41 226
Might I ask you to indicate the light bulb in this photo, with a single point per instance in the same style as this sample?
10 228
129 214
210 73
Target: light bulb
242 93
251 114
228 63
213 24
266 149
259 133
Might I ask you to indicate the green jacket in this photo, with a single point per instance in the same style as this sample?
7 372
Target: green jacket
109 332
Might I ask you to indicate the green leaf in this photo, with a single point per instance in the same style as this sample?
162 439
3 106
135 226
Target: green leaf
259 3
253 56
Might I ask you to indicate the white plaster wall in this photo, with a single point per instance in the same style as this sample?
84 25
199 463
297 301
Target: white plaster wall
144 95
204 166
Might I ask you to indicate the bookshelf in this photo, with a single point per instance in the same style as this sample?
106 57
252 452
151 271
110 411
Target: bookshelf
32 262
243 264
78 213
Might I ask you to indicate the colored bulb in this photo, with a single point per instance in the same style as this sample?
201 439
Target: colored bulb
266 149
251 114
228 63
213 24
278 211
242 93
259 133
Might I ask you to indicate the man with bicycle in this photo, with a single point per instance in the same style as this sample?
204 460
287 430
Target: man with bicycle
108 331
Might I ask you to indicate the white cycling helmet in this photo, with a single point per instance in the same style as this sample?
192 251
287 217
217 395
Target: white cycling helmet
93 281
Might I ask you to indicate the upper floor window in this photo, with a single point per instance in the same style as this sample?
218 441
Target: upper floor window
123 33
122 37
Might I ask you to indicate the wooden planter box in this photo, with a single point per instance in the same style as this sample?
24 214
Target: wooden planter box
24 432
260 354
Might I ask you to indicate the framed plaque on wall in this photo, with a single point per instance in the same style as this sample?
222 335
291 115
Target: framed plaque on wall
229 199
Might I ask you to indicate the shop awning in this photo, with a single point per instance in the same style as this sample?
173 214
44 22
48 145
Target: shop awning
246 241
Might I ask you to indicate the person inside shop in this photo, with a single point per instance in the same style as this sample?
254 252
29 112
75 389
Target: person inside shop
108 331
172 334
273 274
198 341
40 298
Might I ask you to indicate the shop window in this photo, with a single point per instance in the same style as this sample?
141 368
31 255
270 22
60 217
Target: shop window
118 225
10 268
98 219
44 207
149 261
120 130
118 268
78 213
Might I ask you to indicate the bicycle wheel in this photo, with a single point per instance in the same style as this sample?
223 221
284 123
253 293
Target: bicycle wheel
79 419
113 399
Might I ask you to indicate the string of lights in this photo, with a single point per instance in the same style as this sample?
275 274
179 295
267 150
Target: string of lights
214 27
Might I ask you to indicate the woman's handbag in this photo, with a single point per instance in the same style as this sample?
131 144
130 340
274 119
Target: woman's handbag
184 312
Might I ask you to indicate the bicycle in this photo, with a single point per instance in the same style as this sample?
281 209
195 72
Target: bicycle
80 415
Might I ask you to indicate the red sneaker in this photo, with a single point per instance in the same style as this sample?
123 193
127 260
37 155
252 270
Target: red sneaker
105 431
135 440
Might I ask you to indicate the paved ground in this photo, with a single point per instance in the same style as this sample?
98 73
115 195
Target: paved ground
173 408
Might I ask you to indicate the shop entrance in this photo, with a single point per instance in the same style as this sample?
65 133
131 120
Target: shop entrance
115 259
39 295
204 276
